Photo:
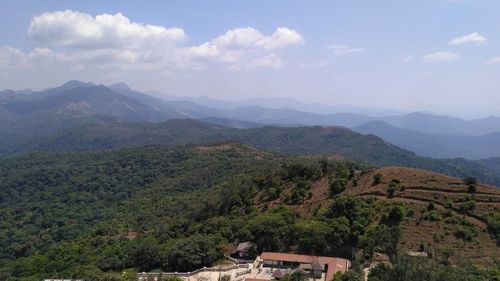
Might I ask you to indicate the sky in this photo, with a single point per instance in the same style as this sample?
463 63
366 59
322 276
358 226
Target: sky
441 56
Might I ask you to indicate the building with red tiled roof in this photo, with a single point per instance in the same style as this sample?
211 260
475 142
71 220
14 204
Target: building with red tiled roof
282 260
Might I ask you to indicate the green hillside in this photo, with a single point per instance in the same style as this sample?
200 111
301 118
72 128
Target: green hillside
331 141
93 215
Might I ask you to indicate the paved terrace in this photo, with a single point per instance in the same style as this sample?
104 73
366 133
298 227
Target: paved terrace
334 264
253 271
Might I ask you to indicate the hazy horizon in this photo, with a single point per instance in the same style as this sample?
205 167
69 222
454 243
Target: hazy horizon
439 56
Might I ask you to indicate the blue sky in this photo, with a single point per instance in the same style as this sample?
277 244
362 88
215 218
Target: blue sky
433 55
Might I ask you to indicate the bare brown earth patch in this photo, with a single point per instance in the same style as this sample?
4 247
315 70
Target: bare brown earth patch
433 213
434 202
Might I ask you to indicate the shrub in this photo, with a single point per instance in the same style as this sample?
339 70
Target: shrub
494 226
452 220
356 210
438 237
468 207
303 184
395 181
410 213
337 186
304 170
390 191
396 214
448 204
377 178
465 232
272 193
470 181
393 186
297 275
297 196
430 207
433 216
350 275
471 188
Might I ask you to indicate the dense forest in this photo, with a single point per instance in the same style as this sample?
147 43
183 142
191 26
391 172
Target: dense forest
107 215
106 133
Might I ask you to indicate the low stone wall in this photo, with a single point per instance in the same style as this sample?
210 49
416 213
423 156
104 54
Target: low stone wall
158 276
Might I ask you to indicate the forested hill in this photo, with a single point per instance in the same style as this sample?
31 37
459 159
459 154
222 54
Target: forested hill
62 212
106 215
337 142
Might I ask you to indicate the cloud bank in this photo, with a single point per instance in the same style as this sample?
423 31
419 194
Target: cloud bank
81 41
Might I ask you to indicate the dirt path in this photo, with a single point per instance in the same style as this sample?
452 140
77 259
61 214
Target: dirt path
478 200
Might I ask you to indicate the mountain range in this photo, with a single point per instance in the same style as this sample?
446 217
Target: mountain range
102 180
79 116
435 145
263 110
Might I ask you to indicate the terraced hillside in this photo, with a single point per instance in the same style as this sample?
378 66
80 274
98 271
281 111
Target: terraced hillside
447 216
441 215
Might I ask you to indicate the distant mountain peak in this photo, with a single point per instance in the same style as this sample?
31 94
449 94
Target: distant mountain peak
76 84
120 85
491 118
376 124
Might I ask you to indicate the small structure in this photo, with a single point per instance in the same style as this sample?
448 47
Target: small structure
418 254
244 251
316 268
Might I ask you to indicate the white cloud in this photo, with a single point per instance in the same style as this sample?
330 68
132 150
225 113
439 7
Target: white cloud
250 37
495 60
112 47
339 49
236 45
281 38
42 54
215 52
11 57
441 57
80 39
270 61
15 58
469 38
79 30
239 37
